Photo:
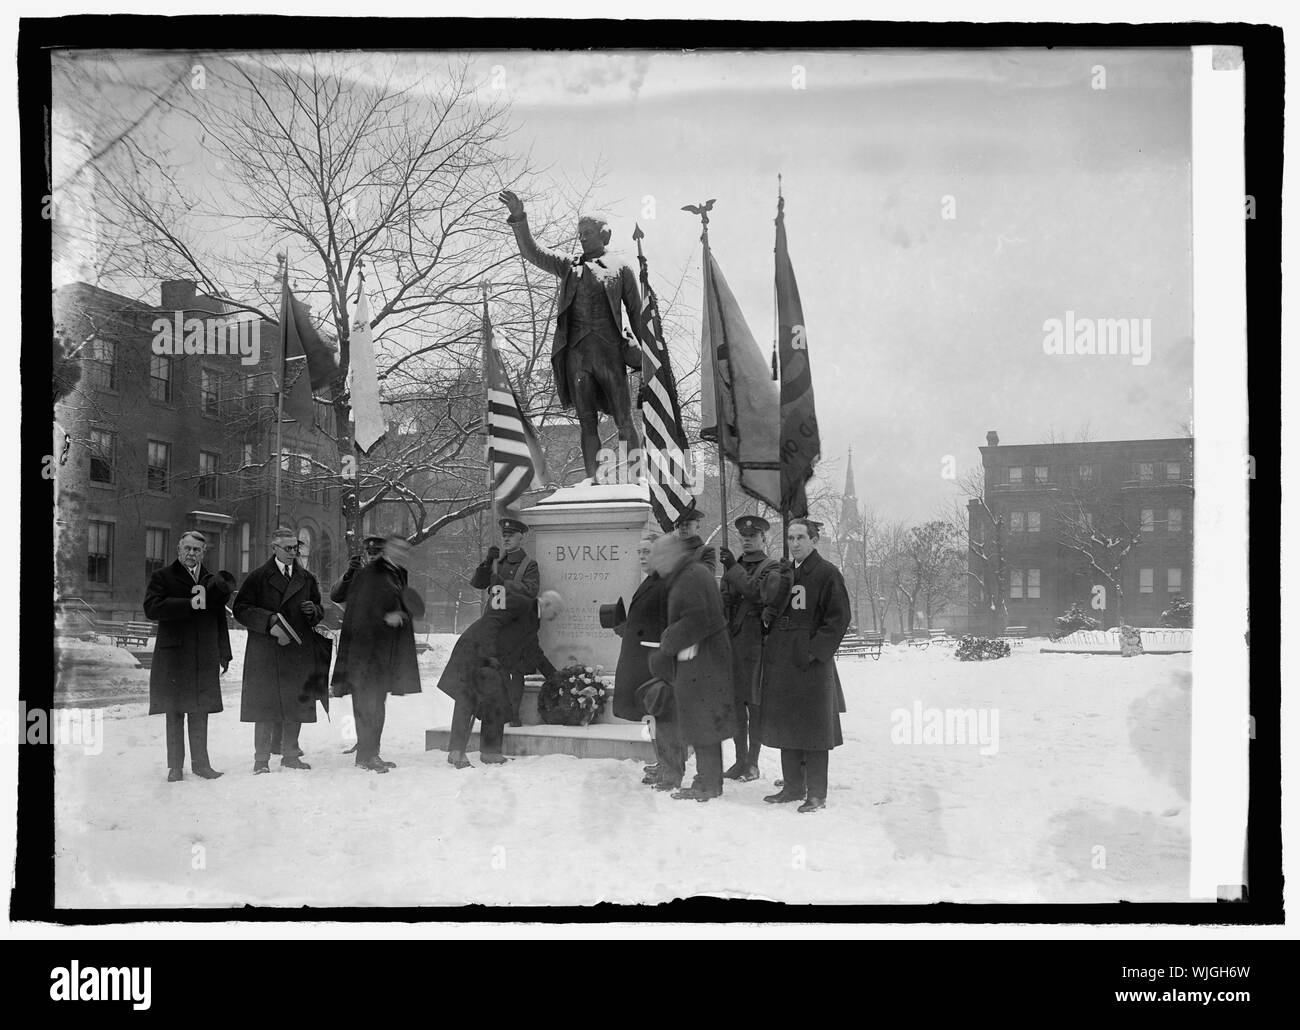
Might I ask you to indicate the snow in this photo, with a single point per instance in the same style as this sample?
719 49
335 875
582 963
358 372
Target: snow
1081 795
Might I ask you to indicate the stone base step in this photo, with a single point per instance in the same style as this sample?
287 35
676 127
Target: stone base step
599 740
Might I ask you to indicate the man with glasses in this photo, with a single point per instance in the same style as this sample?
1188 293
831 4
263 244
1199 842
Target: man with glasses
279 603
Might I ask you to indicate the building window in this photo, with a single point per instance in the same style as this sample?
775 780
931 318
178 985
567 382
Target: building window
1175 581
159 468
101 456
105 354
1040 474
1173 471
210 392
245 546
1017 585
99 553
1146 471
1015 475
1148 520
1017 522
1175 520
209 467
1035 579
1035 520
1085 473
1146 580
160 378
155 550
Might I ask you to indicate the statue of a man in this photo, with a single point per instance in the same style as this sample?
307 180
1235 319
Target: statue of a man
591 352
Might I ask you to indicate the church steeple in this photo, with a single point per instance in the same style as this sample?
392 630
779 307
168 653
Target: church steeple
849 510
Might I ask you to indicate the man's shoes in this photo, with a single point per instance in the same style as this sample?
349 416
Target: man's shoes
651 770
749 775
175 775
649 781
695 794
489 758
458 759
783 798
375 764
735 772
391 765
778 783
292 762
813 805
668 784
206 771
261 767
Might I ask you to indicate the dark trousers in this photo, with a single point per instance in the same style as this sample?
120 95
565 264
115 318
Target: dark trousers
708 767
515 688
805 771
670 752
748 720
368 709
264 730
491 732
198 740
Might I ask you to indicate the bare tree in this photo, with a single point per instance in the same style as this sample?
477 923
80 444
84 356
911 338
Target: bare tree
985 534
1098 532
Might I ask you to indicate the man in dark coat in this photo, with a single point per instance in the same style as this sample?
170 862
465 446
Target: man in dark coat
500 637
377 646
515 574
279 601
590 351
687 528
694 655
801 694
371 548
192 651
742 600
645 623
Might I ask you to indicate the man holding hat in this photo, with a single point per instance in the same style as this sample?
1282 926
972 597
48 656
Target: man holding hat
742 601
518 579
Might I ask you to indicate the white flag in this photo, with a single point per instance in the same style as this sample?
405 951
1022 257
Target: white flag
367 416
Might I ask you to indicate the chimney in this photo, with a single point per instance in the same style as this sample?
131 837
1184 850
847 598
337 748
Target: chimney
178 294
992 437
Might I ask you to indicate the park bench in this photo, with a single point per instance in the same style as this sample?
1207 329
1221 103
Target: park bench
137 633
865 645
919 638
1015 635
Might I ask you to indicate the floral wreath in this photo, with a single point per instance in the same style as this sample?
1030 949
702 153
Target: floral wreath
572 696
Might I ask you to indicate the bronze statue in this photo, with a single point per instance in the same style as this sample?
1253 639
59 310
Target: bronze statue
591 352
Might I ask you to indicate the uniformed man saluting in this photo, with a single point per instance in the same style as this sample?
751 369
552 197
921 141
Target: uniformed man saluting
515 572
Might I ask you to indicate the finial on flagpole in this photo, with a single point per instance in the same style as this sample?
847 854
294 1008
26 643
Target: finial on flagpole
778 184
703 211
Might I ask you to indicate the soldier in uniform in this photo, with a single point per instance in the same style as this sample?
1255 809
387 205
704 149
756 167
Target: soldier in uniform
742 601
687 529
372 548
801 693
517 574
590 354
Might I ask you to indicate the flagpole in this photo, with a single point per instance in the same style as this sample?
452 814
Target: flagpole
703 211
487 415
279 400
776 351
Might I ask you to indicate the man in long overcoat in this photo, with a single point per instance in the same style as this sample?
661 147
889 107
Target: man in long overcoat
515 573
279 672
500 637
590 355
192 651
742 600
801 694
377 654
694 655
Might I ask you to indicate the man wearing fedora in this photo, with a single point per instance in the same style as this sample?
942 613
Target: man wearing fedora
516 575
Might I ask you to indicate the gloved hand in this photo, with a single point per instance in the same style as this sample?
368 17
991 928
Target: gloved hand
308 608
394 619
356 561
726 557
278 632
493 553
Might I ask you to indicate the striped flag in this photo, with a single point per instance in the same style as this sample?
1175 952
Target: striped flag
514 455
667 452
800 437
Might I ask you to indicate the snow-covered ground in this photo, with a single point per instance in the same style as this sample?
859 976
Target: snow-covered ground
1074 790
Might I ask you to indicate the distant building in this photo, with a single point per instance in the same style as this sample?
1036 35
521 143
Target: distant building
1066 522
159 444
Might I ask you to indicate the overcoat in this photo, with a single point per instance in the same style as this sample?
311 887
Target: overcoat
518 573
801 695
742 600
279 680
193 643
646 618
373 654
621 290
702 690
507 637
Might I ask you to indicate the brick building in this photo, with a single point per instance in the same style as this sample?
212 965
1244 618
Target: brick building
1059 520
159 444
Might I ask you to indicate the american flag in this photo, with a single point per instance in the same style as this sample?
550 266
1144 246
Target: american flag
514 455
666 449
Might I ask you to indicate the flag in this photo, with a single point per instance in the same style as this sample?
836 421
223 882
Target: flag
667 452
302 351
739 402
514 455
363 382
800 438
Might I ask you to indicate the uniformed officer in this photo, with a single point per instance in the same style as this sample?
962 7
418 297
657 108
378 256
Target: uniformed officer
372 548
742 601
687 528
516 573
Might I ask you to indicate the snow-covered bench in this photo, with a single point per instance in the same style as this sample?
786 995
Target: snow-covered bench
865 645
137 633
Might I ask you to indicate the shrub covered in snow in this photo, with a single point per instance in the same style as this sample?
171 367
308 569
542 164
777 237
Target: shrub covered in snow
1178 614
978 649
1074 619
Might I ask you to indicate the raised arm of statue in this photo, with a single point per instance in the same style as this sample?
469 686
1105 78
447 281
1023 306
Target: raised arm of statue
555 263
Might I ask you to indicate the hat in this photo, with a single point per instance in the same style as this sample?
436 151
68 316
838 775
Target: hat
691 514
376 542
512 526
751 524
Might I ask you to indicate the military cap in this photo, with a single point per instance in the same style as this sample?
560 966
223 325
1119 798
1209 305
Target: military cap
373 543
512 526
691 514
748 525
